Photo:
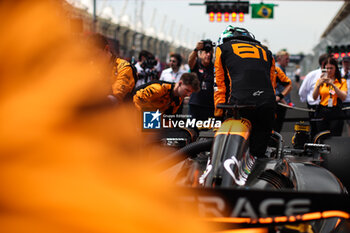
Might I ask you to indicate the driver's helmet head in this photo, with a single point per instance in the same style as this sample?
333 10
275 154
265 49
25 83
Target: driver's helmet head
234 33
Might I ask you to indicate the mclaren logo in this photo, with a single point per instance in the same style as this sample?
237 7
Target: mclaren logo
258 93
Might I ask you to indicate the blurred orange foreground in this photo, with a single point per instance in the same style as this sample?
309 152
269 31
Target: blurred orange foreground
64 168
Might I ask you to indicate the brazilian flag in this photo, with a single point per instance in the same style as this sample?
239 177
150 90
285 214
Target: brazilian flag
262 10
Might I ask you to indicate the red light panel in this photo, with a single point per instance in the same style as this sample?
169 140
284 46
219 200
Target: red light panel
211 16
241 17
219 17
226 17
234 16
336 55
342 54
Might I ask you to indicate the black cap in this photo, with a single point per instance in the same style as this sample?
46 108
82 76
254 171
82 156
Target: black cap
346 58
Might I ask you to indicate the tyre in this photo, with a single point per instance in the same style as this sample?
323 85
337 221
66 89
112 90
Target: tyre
338 161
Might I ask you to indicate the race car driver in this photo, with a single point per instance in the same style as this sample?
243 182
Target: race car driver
243 72
167 97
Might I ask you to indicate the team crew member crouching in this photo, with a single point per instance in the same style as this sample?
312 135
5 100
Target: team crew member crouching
243 73
332 89
167 97
123 80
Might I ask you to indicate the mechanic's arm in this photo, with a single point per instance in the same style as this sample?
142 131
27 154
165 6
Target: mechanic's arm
124 82
192 58
220 90
285 81
147 98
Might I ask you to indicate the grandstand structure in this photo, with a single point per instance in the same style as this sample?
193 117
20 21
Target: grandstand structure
126 41
336 33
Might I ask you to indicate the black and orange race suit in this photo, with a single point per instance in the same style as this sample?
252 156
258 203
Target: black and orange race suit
157 95
123 80
243 74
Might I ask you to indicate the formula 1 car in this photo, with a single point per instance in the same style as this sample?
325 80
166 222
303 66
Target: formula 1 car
291 190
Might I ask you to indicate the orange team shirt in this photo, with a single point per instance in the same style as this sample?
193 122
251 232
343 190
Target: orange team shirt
325 91
281 77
